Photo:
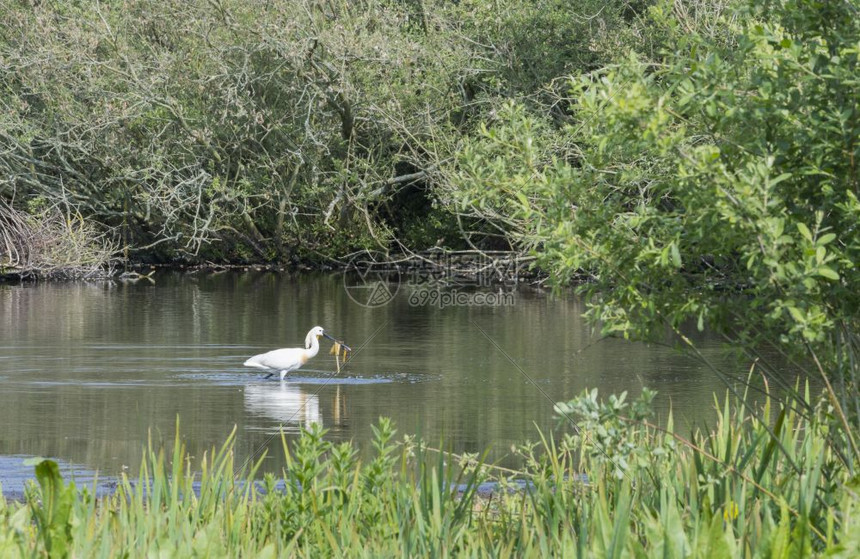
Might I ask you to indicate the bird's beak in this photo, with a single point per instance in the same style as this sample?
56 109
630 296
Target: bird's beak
328 337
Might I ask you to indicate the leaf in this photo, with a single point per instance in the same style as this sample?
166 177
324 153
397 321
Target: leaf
621 526
524 201
796 314
804 230
780 542
827 272
824 239
268 552
779 179
676 255
53 513
715 542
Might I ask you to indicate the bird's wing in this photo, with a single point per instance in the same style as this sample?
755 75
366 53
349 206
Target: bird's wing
255 361
280 359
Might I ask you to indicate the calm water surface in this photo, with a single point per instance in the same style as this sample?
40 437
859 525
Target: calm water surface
88 370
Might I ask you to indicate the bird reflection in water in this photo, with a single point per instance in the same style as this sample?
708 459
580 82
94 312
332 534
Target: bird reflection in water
287 404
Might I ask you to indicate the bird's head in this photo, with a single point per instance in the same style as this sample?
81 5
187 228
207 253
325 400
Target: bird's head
316 332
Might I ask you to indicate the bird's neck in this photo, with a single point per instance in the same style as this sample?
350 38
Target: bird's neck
314 349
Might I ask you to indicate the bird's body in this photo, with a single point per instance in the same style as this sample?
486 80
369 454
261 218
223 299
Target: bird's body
289 359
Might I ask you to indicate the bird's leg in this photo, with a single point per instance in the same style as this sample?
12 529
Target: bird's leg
270 375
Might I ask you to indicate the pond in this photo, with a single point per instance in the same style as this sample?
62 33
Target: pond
89 370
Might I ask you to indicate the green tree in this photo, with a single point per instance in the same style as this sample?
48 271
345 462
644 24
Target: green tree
716 184
269 130
224 129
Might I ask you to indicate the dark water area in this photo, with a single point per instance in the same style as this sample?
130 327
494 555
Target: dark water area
89 372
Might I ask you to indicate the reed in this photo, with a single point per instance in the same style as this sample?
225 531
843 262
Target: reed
616 486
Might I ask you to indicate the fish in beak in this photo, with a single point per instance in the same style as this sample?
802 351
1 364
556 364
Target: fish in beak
328 336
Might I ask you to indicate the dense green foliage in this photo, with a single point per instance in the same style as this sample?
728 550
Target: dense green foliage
645 492
715 185
719 169
269 131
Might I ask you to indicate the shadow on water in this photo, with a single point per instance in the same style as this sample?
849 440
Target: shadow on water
88 371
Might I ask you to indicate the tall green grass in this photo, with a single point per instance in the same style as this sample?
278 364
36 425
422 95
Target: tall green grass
617 485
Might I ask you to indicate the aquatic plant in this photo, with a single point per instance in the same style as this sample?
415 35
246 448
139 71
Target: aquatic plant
615 485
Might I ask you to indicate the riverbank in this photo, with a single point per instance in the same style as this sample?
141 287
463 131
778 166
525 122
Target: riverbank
724 492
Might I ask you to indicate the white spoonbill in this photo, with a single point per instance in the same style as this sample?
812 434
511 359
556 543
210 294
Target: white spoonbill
290 359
